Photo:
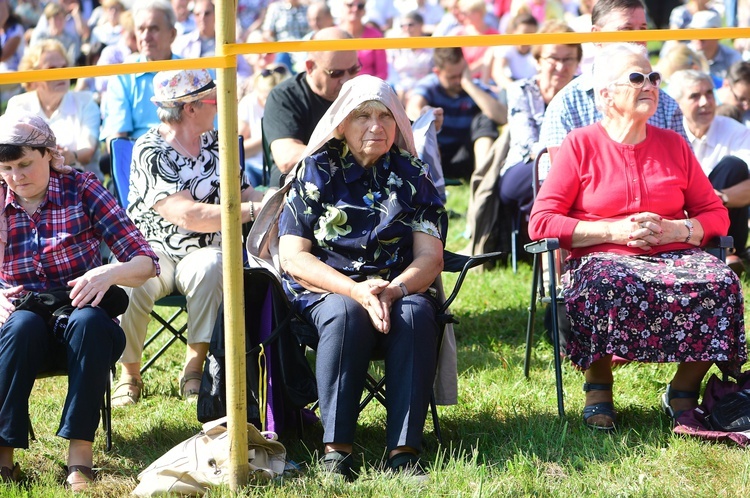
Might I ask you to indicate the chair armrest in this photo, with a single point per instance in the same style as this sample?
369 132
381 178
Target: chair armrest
542 245
454 263
721 242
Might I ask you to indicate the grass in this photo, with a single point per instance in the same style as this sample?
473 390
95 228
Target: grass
504 438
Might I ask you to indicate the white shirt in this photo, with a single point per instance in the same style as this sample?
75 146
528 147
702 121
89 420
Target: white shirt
725 137
75 122
250 111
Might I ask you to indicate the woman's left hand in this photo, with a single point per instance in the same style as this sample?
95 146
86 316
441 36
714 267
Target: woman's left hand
90 287
367 293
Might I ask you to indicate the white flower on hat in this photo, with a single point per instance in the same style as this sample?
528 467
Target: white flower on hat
174 88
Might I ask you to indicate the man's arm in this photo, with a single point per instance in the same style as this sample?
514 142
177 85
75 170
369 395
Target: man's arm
414 105
737 196
487 103
286 153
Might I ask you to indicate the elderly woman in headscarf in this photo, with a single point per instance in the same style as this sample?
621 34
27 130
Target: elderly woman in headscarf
632 204
52 223
361 243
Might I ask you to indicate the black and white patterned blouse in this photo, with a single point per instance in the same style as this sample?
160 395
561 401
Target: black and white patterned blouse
159 171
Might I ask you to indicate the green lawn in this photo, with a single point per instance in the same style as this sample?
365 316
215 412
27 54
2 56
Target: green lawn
503 439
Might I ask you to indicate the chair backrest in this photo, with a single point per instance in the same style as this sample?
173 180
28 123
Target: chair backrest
121 154
267 157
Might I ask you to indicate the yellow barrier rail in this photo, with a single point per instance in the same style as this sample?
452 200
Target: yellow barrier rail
227 53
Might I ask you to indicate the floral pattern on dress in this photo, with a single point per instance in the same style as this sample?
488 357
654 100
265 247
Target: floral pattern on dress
360 220
670 307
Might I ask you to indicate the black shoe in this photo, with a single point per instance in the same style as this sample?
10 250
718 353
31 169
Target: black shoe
409 465
340 463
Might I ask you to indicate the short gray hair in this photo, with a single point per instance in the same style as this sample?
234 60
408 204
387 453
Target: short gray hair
164 6
169 114
608 66
685 78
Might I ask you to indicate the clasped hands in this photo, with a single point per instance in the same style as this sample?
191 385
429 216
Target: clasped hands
643 230
377 296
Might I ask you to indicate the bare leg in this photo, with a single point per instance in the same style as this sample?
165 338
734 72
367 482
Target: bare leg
600 372
6 456
688 377
195 357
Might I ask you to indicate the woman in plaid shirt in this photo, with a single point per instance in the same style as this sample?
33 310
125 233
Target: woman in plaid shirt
53 221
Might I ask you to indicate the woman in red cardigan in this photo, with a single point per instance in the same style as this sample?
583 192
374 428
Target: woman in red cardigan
633 206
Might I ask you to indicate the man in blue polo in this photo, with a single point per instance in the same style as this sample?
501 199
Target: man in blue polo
472 112
128 110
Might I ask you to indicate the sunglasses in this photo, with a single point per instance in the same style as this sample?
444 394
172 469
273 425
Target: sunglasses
268 72
360 6
339 73
637 80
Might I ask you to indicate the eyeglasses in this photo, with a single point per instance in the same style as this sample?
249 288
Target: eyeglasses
339 73
408 24
360 6
637 80
204 14
278 70
567 61
208 101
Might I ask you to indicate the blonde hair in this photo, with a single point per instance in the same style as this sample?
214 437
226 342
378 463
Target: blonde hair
472 5
555 26
274 74
680 57
33 55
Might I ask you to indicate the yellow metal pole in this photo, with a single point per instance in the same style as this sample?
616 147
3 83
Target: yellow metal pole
234 315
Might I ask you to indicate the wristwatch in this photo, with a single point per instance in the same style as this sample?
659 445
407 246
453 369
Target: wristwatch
689 225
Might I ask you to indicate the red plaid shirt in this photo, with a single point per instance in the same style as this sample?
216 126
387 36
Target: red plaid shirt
61 240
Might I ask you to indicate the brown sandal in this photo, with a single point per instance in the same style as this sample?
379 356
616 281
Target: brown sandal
127 392
190 394
10 476
79 478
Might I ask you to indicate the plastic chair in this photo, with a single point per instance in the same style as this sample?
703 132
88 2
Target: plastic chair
121 151
555 257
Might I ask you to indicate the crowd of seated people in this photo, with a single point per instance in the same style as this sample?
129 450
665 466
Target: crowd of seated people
548 97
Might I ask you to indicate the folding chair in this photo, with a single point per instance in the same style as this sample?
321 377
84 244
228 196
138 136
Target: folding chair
121 151
453 263
106 405
551 246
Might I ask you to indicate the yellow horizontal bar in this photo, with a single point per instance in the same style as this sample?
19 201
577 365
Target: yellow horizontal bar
227 53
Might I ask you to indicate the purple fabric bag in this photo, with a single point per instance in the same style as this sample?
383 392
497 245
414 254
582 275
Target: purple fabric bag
694 422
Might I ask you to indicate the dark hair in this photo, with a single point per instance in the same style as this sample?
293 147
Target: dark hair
556 26
739 71
730 111
523 18
603 8
9 152
450 55
414 16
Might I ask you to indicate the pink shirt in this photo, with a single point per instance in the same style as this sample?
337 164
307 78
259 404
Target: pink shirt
374 62
594 178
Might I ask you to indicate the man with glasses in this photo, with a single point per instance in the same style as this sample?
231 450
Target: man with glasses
736 89
573 107
295 106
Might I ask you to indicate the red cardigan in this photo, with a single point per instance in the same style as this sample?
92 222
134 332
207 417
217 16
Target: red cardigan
595 178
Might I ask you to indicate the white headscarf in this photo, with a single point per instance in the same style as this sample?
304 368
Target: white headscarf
355 92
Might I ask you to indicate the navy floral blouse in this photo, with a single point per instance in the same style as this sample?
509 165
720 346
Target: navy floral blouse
359 220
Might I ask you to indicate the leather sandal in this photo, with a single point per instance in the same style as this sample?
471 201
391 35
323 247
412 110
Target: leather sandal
127 392
339 463
79 478
10 475
606 408
669 395
190 394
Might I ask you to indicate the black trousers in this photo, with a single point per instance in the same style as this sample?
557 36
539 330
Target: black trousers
728 172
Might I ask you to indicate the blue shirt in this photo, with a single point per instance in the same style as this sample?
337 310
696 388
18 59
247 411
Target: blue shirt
573 107
127 106
360 221
458 111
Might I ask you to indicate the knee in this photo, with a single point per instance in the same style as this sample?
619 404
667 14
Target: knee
24 329
342 316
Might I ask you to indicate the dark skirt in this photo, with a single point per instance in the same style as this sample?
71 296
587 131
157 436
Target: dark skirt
671 307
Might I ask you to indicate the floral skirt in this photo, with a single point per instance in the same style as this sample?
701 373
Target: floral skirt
670 307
